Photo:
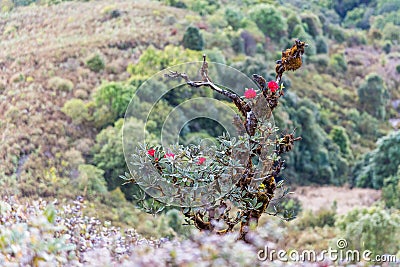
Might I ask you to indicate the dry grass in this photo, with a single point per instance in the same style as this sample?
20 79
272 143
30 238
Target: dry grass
317 198
39 43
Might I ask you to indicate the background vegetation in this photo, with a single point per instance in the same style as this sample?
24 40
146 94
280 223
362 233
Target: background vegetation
66 80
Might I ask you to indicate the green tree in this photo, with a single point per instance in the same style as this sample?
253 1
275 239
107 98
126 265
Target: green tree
95 63
313 24
321 45
344 6
374 228
339 135
292 21
270 21
234 18
111 100
373 96
391 33
380 163
153 60
311 161
338 63
358 17
77 110
391 190
108 152
91 181
193 39
385 6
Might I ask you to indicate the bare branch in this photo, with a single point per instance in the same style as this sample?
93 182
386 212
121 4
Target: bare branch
250 122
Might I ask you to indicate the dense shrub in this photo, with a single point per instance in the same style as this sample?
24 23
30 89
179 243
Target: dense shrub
91 181
95 63
108 152
321 62
358 17
77 110
153 60
111 100
321 45
342 7
380 163
270 21
380 21
203 7
60 84
176 3
292 205
234 18
374 228
250 66
338 63
311 161
363 123
313 25
337 33
193 39
355 38
218 40
321 218
391 33
339 135
237 43
391 190
387 47
292 21
385 6
374 35
373 96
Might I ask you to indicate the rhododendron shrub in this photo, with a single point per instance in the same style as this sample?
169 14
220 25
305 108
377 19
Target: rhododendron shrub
231 182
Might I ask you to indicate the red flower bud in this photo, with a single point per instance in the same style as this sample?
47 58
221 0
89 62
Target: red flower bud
201 160
151 152
169 155
250 93
273 86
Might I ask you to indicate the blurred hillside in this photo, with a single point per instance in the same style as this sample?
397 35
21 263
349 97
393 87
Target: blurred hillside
57 67
69 69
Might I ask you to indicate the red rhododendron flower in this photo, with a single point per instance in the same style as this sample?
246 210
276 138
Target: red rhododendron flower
169 155
151 152
250 93
273 86
201 160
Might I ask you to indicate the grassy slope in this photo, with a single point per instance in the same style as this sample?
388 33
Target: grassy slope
38 43
317 198
43 42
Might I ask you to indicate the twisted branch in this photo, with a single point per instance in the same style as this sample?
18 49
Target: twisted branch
291 60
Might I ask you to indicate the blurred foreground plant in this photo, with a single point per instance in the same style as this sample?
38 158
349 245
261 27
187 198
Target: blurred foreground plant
238 175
